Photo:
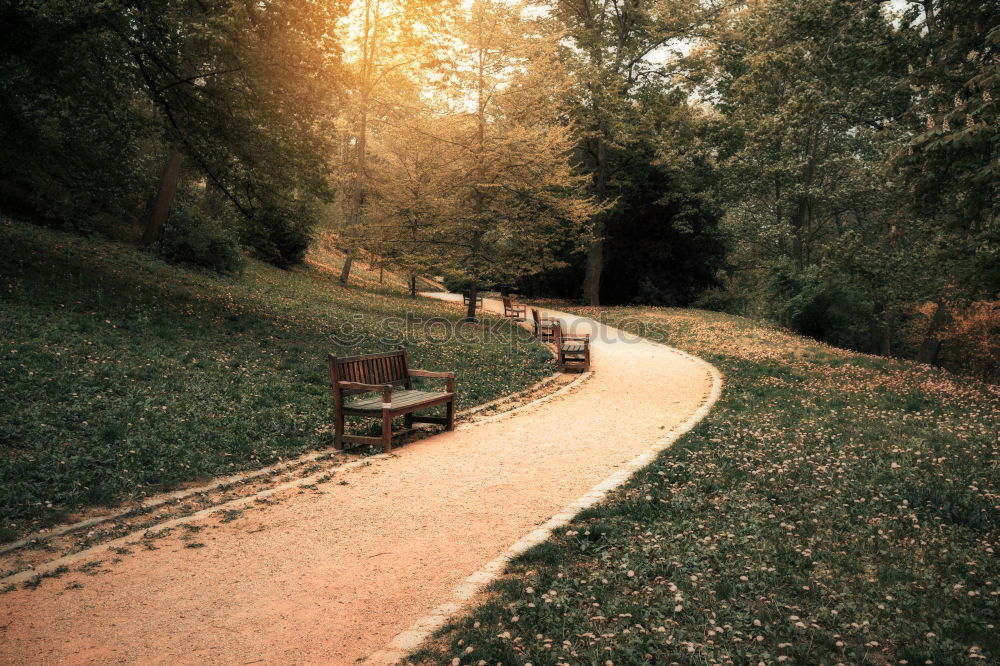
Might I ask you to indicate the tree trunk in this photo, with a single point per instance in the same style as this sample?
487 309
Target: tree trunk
887 331
595 251
800 225
931 345
470 310
592 276
345 271
368 49
413 286
164 198
479 199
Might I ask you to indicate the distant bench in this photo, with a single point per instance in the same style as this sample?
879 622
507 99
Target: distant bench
390 374
543 326
513 310
572 351
467 296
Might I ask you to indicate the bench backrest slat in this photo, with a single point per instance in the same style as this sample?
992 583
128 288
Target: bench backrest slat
383 368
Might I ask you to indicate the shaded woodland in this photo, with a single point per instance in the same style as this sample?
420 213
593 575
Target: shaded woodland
829 165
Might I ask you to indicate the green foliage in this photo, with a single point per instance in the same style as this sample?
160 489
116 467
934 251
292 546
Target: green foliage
123 375
950 164
75 141
820 305
661 241
190 236
804 521
93 95
850 201
484 196
720 300
618 89
458 283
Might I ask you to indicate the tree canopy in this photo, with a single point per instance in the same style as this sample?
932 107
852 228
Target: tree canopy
831 164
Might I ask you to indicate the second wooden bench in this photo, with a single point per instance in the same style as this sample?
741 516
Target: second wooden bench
390 375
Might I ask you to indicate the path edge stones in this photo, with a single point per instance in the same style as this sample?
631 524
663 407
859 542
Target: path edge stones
246 500
408 641
161 499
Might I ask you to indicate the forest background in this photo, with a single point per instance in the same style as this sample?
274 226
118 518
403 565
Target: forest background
828 164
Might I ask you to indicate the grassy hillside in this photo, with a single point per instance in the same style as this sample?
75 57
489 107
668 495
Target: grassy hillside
832 508
121 375
326 259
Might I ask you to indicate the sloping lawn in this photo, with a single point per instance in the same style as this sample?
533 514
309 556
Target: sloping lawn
121 375
832 508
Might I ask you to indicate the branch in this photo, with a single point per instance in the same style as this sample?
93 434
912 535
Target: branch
192 79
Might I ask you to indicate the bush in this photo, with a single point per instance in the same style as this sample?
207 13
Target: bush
457 283
280 236
721 300
191 237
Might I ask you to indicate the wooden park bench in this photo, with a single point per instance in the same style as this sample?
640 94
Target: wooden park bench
572 351
465 300
544 326
512 310
390 375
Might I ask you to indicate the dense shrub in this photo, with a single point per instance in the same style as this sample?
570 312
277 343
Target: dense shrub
77 151
280 236
721 300
191 237
456 283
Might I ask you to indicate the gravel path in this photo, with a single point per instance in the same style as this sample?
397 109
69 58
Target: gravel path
330 576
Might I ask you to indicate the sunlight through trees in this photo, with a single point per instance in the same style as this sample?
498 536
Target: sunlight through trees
829 165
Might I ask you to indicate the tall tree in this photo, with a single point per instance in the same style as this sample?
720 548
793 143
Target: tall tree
413 186
948 169
616 50
519 188
486 182
394 38
802 142
241 90
76 126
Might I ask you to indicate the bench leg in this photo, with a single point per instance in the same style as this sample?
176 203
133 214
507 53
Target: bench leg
450 416
386 432
338 430
408 420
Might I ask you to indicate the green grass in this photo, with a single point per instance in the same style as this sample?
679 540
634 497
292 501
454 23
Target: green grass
832 508
122 375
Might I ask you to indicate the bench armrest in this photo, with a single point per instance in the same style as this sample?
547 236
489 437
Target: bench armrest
449 377
414 372
384 389
355 386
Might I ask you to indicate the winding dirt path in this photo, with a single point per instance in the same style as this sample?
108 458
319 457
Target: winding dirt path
331 575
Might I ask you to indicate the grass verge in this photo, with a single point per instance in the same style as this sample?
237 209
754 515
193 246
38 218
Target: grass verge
832 508
122 375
